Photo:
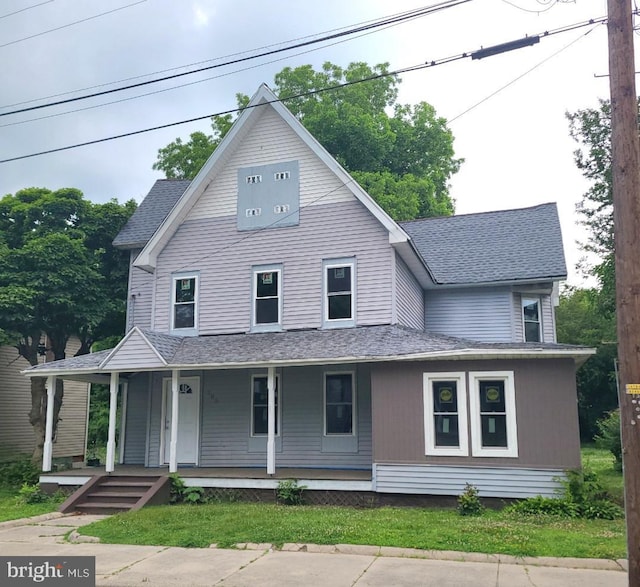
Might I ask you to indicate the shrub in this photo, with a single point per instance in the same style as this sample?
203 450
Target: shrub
180 493
289 492
30 493
608 436
17 473
469 501
193 495
549 506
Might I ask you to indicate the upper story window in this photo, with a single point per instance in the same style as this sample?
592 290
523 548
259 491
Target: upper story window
531 318
445 425
493 414
260 406
339 293
339 404
267 297
184 302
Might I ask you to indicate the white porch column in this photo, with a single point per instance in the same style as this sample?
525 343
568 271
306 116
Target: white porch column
271 421
113 410
47 451
175 398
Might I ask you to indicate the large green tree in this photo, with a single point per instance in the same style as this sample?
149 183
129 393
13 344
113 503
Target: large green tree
401 154
59 277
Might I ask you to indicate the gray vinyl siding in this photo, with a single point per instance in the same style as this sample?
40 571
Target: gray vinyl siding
483 314
16 433
135 440
225 432
135 353
409 298
448 480
547 317
338 230
140 300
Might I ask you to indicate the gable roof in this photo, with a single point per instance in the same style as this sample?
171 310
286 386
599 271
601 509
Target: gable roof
150 213
491 247
263 98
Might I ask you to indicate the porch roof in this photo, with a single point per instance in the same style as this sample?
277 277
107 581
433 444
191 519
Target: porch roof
295 347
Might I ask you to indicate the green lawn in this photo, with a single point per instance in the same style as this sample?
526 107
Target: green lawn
10 509
439 529
601 462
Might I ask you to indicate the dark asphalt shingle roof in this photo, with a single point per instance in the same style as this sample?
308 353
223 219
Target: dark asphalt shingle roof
152 211
361 343
508 245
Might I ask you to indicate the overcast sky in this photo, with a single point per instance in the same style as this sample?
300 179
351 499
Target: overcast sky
516 144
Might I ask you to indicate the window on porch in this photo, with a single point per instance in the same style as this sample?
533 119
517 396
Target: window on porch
260 406
339 404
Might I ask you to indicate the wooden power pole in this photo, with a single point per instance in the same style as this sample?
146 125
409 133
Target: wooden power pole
626 212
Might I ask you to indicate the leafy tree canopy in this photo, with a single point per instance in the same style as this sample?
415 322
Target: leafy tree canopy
402 154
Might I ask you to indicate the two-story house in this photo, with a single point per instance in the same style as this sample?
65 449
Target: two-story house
282 324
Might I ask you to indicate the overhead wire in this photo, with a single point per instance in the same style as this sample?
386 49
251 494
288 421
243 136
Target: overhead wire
65 26
405 16
25 9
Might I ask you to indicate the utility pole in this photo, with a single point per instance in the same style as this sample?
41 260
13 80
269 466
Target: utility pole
626 212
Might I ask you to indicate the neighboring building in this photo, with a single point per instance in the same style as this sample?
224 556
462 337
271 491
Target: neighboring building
280 320
16 433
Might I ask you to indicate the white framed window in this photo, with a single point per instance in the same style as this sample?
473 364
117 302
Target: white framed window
267 297
339 403
339 305
445 414
532 323
492 402
184 301
260 406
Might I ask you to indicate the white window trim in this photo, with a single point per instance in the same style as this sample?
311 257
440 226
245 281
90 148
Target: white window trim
278 406
331 264
538 299
196 301
354 412
429 430
271 326
477 450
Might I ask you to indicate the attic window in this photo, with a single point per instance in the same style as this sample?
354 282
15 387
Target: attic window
281 208
249 212
254 178
281 175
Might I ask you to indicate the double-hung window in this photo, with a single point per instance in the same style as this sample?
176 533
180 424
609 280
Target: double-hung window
339 292
339 404
184 302
531 318
493 414
260 406
445 401
267 298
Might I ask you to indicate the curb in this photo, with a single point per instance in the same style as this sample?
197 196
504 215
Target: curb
32 520
596 564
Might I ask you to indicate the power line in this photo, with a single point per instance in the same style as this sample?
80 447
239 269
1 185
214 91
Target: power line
228 56
426 65
64 26
405 16
25 9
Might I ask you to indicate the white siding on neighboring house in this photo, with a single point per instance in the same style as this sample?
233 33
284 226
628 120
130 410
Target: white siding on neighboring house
16 433
409 298
483 314
140 297
224 259
270 140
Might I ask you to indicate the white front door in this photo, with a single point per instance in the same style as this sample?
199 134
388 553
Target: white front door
188 419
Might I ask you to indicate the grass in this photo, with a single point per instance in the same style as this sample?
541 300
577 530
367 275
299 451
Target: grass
440 529
11 509
602 462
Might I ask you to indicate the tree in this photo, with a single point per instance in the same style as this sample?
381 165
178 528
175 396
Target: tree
579 321
404 159
58 276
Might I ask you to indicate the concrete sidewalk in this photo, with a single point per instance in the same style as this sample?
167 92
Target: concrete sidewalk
296 566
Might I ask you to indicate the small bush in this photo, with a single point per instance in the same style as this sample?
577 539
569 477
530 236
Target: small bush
193 495
29 494
289 492
177 488
549 506
17 473
608 436
469 501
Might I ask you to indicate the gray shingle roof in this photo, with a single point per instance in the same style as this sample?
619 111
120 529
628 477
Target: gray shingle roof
152 211
509 245
368 343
